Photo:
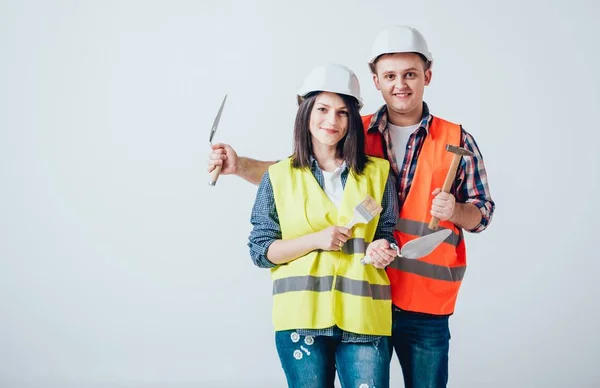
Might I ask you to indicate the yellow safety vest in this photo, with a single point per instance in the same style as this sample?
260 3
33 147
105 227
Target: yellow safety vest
326 288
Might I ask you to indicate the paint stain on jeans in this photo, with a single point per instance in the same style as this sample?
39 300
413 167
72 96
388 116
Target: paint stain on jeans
305 350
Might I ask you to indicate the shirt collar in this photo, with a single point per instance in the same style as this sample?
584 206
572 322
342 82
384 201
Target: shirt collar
380 119
314 165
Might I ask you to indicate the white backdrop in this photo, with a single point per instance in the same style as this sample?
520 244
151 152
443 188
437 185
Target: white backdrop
120 267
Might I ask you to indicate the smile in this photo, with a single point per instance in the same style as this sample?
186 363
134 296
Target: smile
402 95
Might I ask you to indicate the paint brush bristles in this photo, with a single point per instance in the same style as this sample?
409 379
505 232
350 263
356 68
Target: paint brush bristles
365 212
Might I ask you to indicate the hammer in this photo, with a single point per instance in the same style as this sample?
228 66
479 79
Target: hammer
458 153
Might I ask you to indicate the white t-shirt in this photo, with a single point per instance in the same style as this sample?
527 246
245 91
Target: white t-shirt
400 137
333 184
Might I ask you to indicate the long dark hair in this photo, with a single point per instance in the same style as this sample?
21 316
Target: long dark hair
351 148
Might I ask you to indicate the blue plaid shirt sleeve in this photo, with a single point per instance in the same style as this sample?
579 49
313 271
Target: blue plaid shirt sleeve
265 222
389 215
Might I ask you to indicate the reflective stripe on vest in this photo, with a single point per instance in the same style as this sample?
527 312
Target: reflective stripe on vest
420 229
430 284
326 288
417 267
325 283
354 246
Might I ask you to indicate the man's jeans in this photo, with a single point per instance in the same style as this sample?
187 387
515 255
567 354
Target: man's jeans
311 362
422 343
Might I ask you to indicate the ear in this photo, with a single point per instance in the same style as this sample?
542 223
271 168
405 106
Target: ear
376 82
428 75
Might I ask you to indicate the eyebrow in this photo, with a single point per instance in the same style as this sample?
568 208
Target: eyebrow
402 71
327 106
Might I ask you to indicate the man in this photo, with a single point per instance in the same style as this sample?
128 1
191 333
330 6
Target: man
424 291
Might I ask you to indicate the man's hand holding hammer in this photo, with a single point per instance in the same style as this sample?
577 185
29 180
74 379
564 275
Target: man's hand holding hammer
444 206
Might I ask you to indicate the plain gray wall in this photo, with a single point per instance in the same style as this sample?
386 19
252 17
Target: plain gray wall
121 267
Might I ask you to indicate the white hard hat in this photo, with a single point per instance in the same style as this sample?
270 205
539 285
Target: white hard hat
399 39
333 78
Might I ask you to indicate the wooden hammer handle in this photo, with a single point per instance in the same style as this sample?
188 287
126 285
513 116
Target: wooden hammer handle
433 224
214 175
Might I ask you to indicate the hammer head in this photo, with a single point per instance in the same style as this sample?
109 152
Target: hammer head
458 150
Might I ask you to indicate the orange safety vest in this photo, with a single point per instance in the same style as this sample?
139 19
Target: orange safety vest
430 284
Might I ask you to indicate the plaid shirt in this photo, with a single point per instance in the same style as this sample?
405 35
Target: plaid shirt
470 185
267 229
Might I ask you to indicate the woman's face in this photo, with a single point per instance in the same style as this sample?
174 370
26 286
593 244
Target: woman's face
328 119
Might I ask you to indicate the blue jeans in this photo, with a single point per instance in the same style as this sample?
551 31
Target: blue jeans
422 343
311 362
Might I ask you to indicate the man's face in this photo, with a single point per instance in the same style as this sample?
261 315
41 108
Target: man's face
401 78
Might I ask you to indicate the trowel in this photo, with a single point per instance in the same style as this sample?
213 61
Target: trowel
419 247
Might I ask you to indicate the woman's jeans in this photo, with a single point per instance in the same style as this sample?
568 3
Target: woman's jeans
311 362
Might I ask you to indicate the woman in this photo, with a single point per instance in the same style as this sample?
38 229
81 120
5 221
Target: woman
329 310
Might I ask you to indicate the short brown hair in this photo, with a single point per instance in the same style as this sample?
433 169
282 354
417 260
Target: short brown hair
426 62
